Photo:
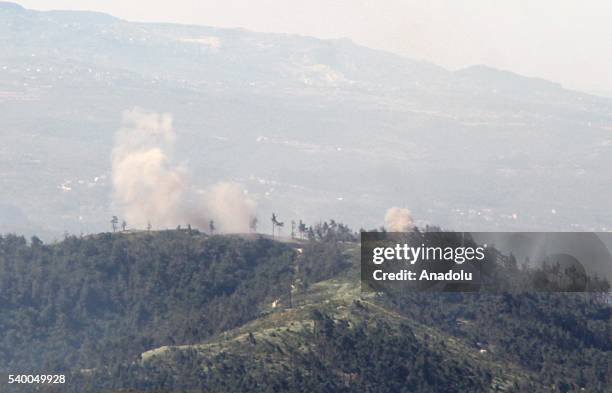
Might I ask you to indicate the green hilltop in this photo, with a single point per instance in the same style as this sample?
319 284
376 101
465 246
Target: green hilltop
181 311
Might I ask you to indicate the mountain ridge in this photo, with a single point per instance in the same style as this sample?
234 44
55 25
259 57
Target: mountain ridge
7 5
333 112
103 16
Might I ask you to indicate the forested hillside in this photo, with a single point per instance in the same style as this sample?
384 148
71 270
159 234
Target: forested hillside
180 311
92 301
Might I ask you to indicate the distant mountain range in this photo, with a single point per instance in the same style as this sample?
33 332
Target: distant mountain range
312 128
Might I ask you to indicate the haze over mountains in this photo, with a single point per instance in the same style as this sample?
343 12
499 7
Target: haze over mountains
311 128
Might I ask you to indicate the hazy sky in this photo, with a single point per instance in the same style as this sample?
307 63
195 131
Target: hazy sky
568 41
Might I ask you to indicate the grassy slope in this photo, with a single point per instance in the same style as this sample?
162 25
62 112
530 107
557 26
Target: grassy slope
282 327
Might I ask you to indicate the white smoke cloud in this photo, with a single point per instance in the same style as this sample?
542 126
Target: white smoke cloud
228 205
398 220
150 187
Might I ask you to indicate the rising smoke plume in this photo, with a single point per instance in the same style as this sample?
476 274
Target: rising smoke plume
150 187
398 220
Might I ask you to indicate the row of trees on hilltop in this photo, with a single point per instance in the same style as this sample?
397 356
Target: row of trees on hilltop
299 230
322 231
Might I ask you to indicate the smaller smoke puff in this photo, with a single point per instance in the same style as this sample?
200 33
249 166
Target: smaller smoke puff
150 187
398 220
228 205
